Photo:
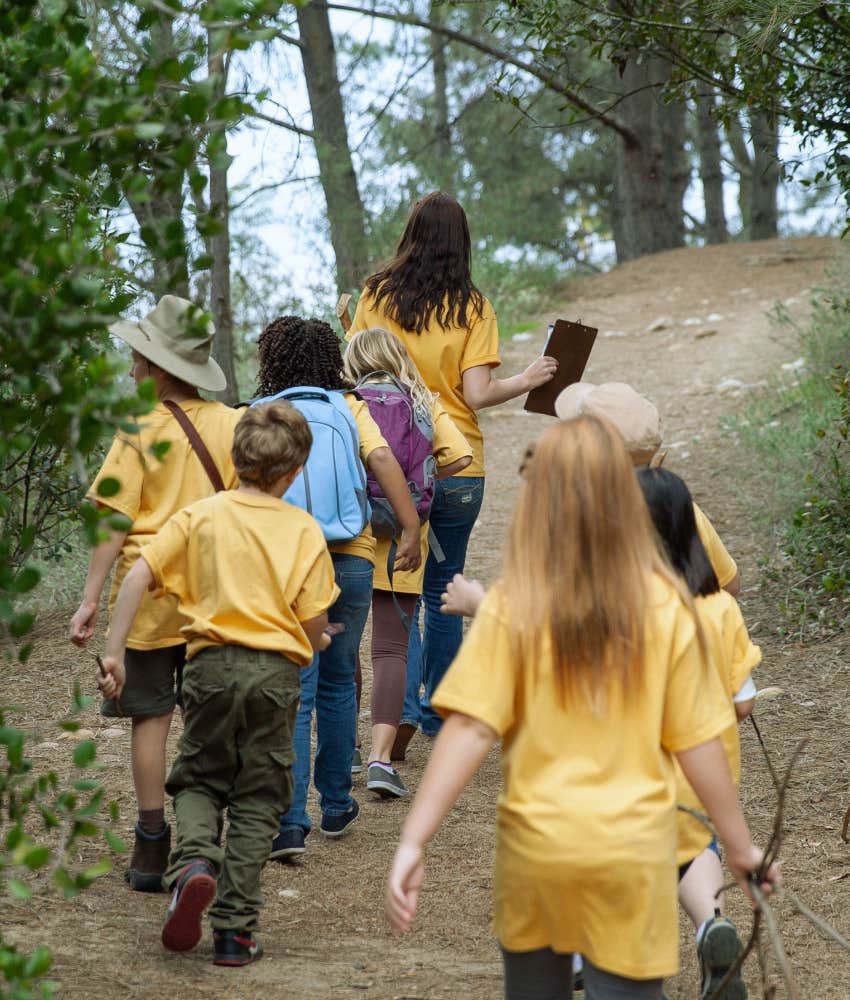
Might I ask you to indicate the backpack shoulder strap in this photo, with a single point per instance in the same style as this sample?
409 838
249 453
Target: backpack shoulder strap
196 441
385 377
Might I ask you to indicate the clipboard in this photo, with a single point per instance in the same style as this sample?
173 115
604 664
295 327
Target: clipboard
571 343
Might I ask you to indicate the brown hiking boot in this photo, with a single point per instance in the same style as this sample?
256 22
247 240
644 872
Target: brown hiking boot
149 861
405 733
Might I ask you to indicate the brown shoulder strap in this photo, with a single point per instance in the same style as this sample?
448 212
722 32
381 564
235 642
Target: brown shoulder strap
197 443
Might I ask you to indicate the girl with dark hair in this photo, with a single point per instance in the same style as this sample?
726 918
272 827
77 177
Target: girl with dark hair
734 656
425 296
587 661
306 352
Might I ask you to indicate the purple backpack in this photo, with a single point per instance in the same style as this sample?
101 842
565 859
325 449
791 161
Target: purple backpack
410 438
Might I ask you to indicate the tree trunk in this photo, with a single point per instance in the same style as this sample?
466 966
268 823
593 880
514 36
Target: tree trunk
767 170
159 207
651 171
744 165
442 132
346 214
710 169
219 242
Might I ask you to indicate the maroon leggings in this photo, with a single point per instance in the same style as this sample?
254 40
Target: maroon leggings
389 655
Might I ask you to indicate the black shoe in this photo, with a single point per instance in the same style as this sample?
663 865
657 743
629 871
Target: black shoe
288 845
337 826
194 890
149 861
235 948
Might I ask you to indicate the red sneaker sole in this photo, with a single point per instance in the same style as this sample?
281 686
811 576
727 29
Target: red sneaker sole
182 929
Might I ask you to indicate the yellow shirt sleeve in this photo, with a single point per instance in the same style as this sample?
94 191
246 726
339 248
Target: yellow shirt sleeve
319 590
449 443
482 680
125 462
482 344
746 654
370 434
696 707
166 555
723 563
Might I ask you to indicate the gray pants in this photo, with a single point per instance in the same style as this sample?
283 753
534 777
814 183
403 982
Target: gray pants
548 975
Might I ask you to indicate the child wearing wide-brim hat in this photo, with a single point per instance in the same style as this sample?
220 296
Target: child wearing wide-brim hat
172 346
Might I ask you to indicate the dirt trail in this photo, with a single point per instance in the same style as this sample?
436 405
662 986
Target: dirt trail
689 328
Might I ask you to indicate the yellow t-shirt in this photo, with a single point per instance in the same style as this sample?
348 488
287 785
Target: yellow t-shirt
449 446
370 440
723 563
734 656
586 824
246 570
442 356
152 490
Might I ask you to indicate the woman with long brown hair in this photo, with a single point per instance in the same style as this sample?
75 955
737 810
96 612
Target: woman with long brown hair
587 661
426 297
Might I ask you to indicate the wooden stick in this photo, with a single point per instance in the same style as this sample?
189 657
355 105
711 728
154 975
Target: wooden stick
342 311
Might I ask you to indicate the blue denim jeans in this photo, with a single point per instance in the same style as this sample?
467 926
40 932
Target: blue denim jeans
457 503
327 686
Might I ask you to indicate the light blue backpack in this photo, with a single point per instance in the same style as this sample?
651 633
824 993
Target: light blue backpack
332 484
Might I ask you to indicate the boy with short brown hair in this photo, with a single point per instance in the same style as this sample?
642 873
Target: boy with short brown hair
253 578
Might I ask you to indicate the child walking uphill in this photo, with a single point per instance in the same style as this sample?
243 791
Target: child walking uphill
586 659
734 656
249 636
376 362
297 352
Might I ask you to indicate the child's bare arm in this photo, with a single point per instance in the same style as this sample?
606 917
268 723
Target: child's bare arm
315 629
103 556
460 748
481 389
384 467
743 709
707 769
453 468
136 582
733 587
461 596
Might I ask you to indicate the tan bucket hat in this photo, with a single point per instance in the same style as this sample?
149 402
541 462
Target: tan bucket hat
634 416
171 337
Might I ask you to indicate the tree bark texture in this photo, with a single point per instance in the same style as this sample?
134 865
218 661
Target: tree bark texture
710 169
744 165
651 171
442 131
346 215
219 245
767 170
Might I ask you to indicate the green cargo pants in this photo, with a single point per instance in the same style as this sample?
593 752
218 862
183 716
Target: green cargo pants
236 754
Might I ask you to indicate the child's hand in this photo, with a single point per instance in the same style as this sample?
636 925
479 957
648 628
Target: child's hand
461 596
745 864
83 623
111 678
409 555
403 885
540 371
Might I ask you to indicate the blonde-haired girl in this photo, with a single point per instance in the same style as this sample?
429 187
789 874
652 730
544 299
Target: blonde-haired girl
586 660
375 356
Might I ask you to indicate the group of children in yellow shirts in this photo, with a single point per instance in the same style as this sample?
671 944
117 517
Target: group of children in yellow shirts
611 665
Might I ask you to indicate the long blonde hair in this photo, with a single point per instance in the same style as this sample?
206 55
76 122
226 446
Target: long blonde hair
578 563
377 350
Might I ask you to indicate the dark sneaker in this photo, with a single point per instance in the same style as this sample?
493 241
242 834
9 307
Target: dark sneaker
386 782
149 860
357 761
193 893
235 948
338 826
717 950
406 732
288 844
578 986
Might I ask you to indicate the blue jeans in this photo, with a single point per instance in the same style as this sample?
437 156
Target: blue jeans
457 503
328 686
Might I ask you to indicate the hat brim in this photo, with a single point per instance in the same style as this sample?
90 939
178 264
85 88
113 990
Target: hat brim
208 375
568 403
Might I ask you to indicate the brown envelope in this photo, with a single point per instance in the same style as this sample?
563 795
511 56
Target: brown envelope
571 344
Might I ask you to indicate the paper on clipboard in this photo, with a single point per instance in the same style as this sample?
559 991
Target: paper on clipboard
570 343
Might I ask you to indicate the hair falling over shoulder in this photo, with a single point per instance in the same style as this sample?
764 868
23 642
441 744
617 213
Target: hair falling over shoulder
579 560
377 350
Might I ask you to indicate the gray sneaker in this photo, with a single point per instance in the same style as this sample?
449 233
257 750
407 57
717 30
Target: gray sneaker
356 761
386 782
